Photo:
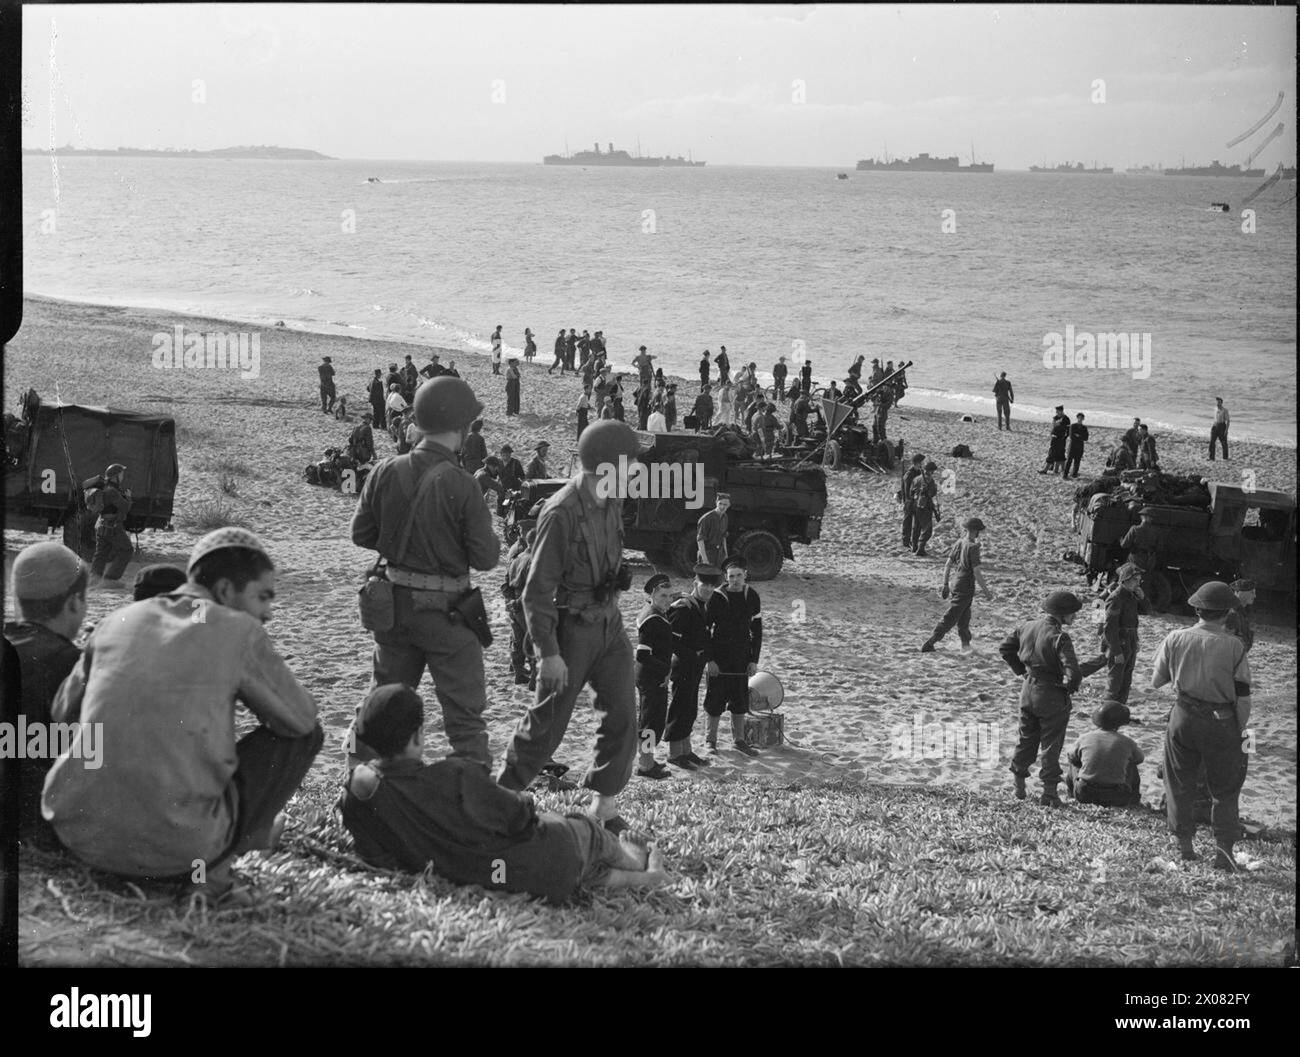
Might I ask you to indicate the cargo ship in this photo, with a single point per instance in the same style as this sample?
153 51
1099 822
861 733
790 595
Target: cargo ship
1214 169
619 157
924 163
1144 170
1077 167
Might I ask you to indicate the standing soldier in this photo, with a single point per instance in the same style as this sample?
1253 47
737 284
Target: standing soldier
965 558
425 517
522 663
711 532
571 605
905 497
1239 617
378 394
1004 396
1210 672
925 511
654 655
327 391
692 651
779 373
111 500
1120 632
736 622
1041 651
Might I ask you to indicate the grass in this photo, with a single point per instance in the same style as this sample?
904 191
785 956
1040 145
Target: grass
768 873
208 514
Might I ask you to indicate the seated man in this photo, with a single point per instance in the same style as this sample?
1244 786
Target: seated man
406 814
1104 763
176 794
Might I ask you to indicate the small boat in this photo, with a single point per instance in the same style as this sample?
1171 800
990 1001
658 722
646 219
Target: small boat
1219 207
841 176
373 180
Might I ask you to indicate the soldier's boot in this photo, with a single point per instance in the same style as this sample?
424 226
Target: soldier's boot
1223 859
1187 850
928 645
1050 797
711 732
679 755
738 735
1020 786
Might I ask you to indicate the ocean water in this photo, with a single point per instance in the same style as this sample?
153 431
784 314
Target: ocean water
768 261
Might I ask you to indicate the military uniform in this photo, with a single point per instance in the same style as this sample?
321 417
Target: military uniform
736 627
965 556
922 494
361 443
692 650
113 548
1041 651
579 548
522 662
1121 635
1239 625
909 510
654 655
327 391
451 531
711 530
1141 544
1210 671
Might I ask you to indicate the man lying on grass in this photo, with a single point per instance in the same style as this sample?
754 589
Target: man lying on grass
176 795
405 814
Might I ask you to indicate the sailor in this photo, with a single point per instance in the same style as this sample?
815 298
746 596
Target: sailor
1040 650
905 497
1078 437
735 621
571 606
692 651
423 514
111 500
654 654
1210 672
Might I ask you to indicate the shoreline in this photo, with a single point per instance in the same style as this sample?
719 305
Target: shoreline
918 397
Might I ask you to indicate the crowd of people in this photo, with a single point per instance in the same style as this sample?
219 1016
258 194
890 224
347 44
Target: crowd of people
179 798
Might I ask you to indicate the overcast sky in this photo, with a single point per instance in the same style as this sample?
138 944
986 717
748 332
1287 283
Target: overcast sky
378 81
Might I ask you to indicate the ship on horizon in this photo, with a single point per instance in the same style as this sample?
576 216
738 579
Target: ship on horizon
1215 168
1145 170
1077 167
619 157
924 163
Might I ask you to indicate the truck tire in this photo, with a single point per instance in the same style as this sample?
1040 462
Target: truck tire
762 553
1159 591
831 456
684 552
79 535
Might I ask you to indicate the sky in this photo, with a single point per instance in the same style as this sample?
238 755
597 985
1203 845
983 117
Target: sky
732 84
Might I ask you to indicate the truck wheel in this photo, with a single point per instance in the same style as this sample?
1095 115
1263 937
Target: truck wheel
684 553
762 553
1159 591
831 456
79 535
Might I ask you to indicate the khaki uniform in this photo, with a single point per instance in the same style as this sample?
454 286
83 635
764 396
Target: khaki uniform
113 548
579 548
1042 652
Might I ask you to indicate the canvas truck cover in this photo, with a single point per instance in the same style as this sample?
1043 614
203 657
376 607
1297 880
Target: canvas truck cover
68 444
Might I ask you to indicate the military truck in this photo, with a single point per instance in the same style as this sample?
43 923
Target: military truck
772 508
1244 534
51 451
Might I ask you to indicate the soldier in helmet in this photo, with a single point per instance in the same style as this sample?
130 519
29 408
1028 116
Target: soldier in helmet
965 559
1209 669
923 492
571 605
905 497
425 516
111 501
1124 603
1040 650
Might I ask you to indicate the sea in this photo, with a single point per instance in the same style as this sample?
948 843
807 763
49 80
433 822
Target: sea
963 275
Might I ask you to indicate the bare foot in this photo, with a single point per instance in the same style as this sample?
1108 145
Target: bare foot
636 850
655 872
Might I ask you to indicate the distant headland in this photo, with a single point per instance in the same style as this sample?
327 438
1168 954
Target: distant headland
278 153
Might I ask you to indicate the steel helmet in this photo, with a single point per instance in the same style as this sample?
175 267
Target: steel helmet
445 404
1214 594
605 441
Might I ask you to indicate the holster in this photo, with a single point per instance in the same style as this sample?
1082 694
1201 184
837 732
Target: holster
375 600
471 612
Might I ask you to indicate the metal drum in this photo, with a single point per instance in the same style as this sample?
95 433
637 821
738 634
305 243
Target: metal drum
765 691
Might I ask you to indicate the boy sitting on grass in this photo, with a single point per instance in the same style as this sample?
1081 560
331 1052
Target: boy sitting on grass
406 814
1104 763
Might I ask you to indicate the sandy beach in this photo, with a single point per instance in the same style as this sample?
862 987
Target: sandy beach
843 622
